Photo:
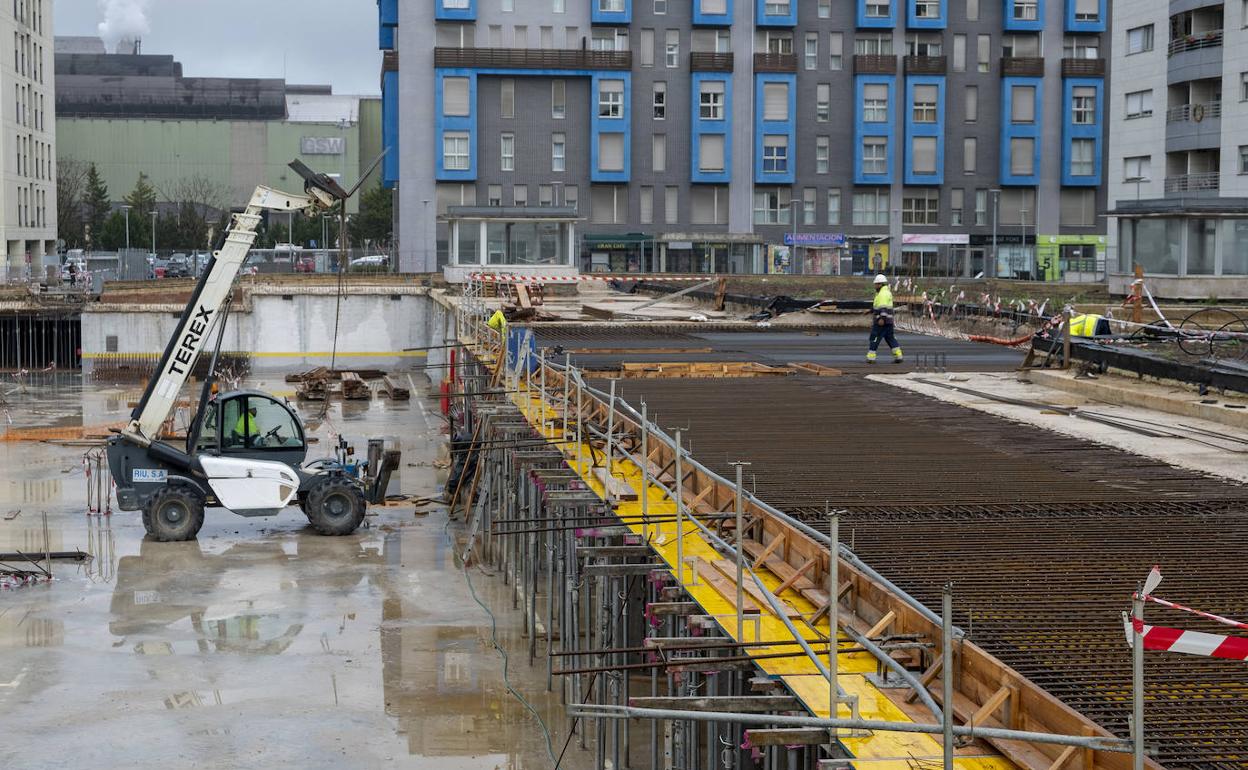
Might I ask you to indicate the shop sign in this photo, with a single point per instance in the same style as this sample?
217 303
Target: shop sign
814 239
957 239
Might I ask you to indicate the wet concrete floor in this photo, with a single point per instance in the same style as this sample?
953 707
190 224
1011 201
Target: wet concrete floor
262 642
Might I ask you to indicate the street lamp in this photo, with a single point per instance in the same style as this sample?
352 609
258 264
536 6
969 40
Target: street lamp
126 209
425 237
153 233
991 271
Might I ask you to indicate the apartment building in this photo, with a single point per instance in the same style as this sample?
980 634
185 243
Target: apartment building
28 162
807 136
1178 166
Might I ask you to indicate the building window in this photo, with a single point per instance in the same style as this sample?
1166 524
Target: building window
611 98
875 155
823 154
647 47
507 152
970 103
775 101
609 203
711 153
871 208
558 152
1139 104
1243 86
671 48
771 206
658 152
825 9
878 9
875 103
809 205
1078 207
671 205
1022 104
836 47
1087 10
924 45
1025 10
812 50
927 9
520 194
775 154
455 151
660 7
1140 39
956 202
981 207
1083 105
611 6
823 102
507 5
959 53
983 53
776 8
1243 159
873 45
1022 156
711 100
779 42
558 6
923 155
920 207
647 205
709 205
611 152
494 196
834 206
455 101
571 197
1027 44
925 97
1137 168
660 100
507 91
558 99
607 39
545 195
1081 47
970 146
1082 157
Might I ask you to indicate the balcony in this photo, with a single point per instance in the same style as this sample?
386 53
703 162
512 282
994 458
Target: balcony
775 62
875 64
1022 66
925 65
1195 42
710 62
390 61
1192 183
1194 112
1083 68
533 58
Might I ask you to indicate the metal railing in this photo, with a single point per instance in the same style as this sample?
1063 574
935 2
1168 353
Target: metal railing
702 61
925 65
1074 67
875 63
1195 112
1192 182
1026 66
532 58
775 62
1211 39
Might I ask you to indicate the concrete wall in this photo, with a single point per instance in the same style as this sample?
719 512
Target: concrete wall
283 334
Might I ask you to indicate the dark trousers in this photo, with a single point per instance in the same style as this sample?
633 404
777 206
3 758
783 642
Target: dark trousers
883 332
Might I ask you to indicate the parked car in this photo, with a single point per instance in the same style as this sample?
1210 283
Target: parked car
305 264
179 267
371 264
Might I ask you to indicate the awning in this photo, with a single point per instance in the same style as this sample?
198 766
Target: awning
622 242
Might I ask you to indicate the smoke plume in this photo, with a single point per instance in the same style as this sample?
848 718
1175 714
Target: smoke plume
123 19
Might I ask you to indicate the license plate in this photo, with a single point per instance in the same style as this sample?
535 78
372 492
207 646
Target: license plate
149 476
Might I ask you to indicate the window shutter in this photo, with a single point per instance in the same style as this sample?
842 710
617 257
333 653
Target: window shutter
703 206
1084 92
775 101
924 155
658 152
455 96
719 6
670 205
712 155
875 91
1023 108
971 102
925 94
647 205
1090 8
647 48
610 152
508 92
713 87
1022 156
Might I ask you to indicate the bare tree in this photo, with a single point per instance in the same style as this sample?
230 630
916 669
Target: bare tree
71 189
198 202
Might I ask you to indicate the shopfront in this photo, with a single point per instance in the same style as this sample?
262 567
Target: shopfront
527 240
1072 258
715 253
934 254
819 253
868 254
1016 255
625 253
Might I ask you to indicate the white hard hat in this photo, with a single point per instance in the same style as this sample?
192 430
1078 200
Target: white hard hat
881 279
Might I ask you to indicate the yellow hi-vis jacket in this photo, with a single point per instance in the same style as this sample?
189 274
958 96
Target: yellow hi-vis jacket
882 306
498 322
1084 325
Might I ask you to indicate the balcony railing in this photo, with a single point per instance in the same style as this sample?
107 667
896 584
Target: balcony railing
1211 39
875 64
1082 68
532 58
1023 66
1194 112
710 62
775 62
1192 182
925 65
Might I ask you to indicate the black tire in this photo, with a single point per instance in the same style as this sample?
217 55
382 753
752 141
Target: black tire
173 514
335 506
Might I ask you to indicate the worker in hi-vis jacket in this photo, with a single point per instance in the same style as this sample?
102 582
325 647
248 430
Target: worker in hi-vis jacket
882 321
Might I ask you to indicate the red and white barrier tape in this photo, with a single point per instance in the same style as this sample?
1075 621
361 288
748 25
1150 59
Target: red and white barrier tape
512 278
1163 639
1208 615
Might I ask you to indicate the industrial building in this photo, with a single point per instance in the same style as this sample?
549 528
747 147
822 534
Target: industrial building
28 163
137 113
710 136
1178 160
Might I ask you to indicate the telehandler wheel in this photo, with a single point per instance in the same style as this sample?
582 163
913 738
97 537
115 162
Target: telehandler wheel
172 514
335 506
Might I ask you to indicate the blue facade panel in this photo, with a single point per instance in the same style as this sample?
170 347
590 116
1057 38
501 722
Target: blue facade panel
882 22
1090 131
765 19
385 38
914 21
915 129
1086 25
864 129
702 127
442 13
764 128
600 125
703 19
388 20
390 128
1011 130
455 124
1015 24
600 16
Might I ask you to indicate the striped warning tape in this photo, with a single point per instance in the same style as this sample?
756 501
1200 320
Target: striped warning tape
514 278
1163 639
1209 615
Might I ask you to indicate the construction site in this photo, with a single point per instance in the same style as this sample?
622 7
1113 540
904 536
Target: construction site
671 523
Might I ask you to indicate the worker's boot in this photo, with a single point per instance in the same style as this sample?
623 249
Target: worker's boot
897 359
870 356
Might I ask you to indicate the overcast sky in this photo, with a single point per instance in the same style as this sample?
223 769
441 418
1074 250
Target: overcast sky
306 41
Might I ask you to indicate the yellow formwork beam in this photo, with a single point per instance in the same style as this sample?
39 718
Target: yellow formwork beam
885 750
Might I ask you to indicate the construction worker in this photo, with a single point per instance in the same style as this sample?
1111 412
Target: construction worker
882 321
498 322
245 429
1089 325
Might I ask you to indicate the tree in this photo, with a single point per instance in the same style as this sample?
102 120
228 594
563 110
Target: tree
374 224
71 189
142 201
198 201
112 235
96 204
